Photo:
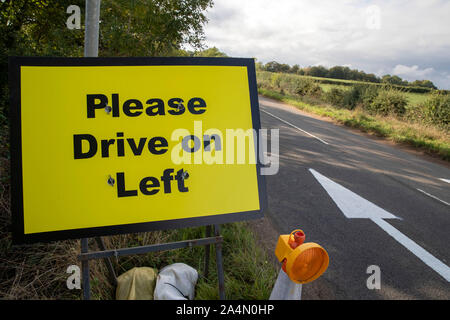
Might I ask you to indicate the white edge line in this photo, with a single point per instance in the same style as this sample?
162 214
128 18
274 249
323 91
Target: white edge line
434 197
445 180
417 250
294 126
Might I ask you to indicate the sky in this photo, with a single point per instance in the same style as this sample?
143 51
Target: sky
410 39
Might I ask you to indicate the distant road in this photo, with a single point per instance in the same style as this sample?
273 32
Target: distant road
366 202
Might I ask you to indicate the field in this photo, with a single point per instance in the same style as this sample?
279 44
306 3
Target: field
416 98
420 120
413 98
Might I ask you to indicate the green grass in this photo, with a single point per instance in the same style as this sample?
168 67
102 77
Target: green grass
347 83
337 81
248 272
420 136
327 87
414 99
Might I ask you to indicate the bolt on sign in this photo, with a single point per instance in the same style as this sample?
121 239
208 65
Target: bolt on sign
104 146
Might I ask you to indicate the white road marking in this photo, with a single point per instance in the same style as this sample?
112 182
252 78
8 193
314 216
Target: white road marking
354 206
309 134
445 180
417 250
434 197
351 204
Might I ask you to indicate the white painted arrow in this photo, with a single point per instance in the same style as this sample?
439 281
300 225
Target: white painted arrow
354 206
351 205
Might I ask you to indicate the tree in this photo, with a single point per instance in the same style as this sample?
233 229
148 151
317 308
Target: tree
259 66
317 71
272 66
371 78
387 78
294 68
424 84
210 52
33 27
151 27
37 27
338 72
284 67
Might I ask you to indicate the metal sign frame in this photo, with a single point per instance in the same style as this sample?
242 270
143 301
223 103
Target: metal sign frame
106 254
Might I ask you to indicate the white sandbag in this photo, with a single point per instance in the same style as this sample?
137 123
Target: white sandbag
176 282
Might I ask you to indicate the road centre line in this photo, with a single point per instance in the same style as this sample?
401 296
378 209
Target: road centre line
434 197
445 180
306 132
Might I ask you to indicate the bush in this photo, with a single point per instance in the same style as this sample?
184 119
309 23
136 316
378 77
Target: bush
349 99
305 87
314 90
355 95
388 101
436 109
288 84
335 96
276 80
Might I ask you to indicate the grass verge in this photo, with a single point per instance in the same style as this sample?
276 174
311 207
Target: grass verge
426 138
39 271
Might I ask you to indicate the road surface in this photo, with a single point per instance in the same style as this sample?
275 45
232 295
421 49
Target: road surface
366 202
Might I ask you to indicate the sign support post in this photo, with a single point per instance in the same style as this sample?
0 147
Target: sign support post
207 251
91 28
85 271
90 50
219 264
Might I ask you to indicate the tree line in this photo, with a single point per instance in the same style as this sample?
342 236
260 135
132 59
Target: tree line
343 73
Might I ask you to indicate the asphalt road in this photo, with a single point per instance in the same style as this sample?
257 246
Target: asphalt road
385 176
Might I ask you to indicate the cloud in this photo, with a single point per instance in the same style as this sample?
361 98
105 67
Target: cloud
412 72
369 35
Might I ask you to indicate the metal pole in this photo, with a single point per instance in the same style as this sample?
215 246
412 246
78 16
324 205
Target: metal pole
91 28
85 271
148 248
207 252
90 50
219 264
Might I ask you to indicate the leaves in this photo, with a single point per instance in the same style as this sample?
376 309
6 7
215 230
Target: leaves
151 27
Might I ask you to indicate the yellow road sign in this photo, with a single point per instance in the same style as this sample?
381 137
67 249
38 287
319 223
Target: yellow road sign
117 145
